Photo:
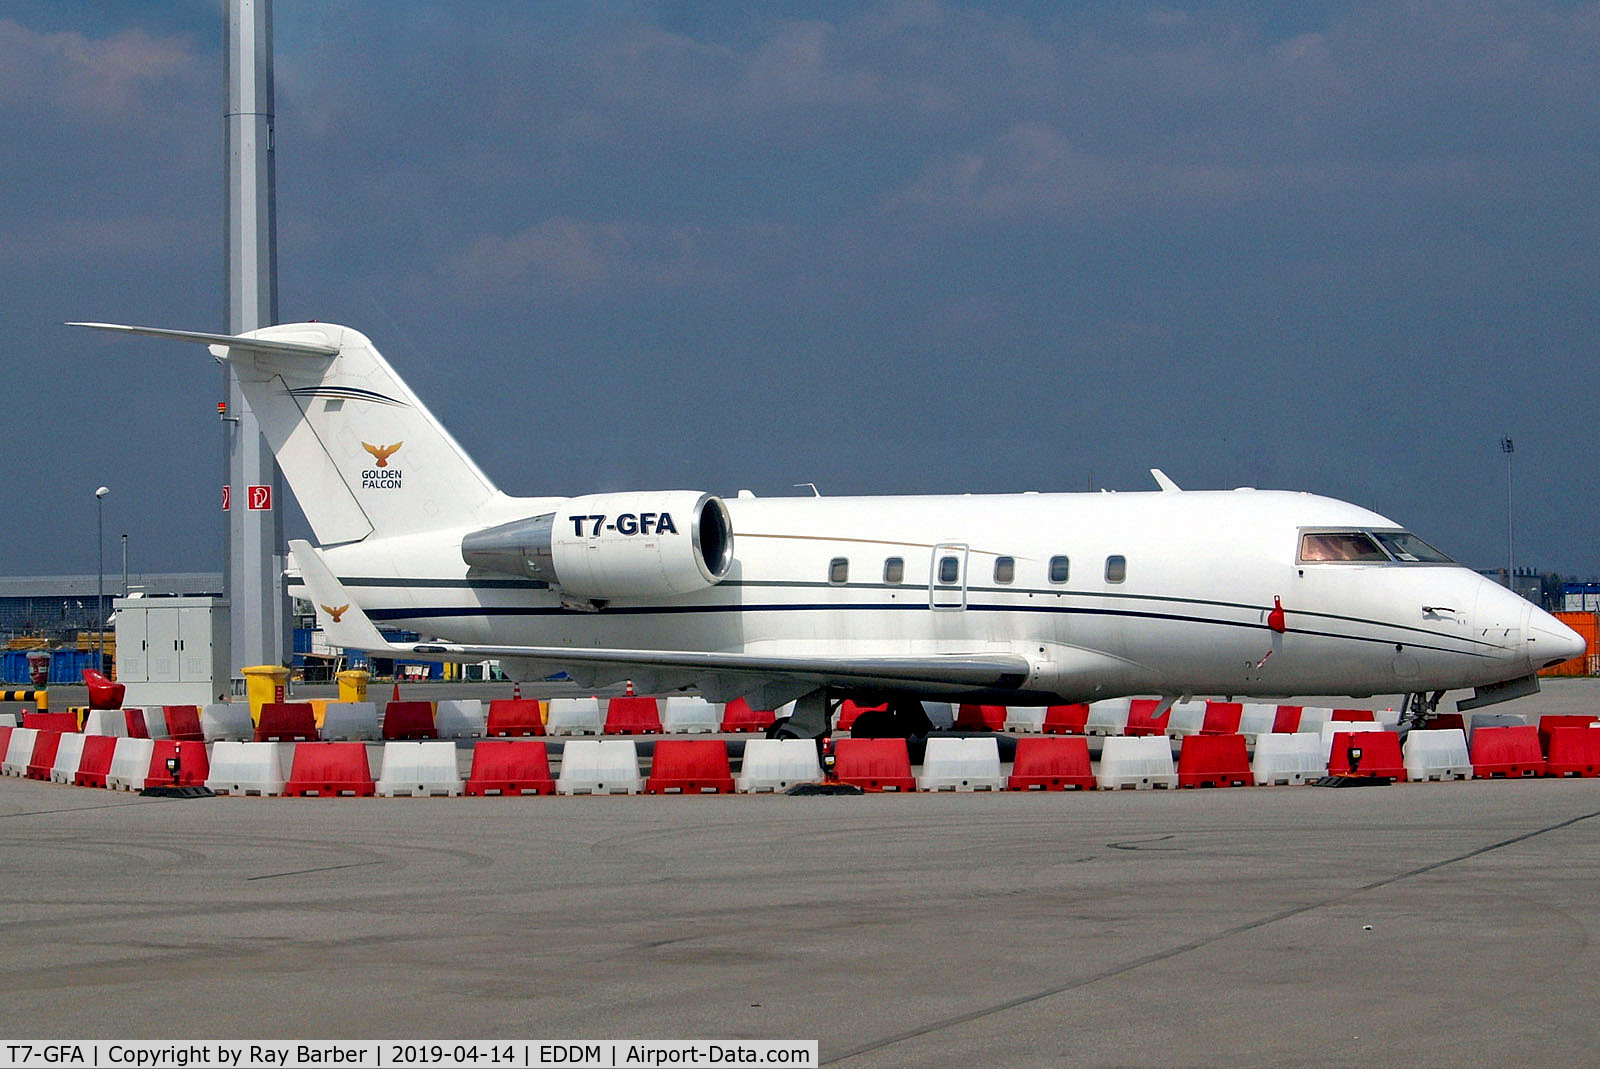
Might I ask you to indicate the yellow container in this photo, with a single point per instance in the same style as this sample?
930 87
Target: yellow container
319 709
264 683
353 685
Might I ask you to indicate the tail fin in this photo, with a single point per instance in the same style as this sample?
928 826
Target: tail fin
360 452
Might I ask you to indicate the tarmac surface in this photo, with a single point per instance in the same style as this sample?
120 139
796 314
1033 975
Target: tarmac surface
1437 922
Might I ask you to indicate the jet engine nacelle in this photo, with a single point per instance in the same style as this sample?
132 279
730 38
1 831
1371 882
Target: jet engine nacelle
604 546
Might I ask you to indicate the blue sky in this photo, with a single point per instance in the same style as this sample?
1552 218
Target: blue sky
882 247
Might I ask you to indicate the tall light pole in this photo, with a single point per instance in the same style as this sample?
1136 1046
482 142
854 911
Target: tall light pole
1508 448
100 578
124 564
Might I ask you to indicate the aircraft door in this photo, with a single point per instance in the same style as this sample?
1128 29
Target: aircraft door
947 581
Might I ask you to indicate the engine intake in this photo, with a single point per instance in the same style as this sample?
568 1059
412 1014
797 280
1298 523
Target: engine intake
604 546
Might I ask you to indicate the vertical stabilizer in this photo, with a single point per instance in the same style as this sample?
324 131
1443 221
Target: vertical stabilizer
360 451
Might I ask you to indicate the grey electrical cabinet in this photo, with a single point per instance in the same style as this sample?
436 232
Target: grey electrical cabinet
172 651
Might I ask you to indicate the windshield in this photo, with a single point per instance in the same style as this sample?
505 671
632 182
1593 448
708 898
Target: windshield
1405 546
1376 547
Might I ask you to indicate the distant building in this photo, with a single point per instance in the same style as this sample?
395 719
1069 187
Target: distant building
57 607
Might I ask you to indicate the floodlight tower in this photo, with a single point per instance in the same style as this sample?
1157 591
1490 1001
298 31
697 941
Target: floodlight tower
253 497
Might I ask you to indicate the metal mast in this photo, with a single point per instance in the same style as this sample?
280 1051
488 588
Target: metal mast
254 497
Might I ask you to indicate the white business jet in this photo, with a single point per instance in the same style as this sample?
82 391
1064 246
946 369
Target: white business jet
1020 599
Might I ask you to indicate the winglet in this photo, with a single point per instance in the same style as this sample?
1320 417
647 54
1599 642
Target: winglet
344 622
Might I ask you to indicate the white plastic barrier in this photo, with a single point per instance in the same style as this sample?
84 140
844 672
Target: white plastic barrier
1026 718
1187 718
461 718
1141 762
421 769
249 767
1312 718
574 716
19 751
777 765
1257 718
155 720
106 722
961 765
1389 718
130 764
227 720
1109 717
69 752
1437 754
349 722
1334 727
1285 758
684 714
599 766
8 720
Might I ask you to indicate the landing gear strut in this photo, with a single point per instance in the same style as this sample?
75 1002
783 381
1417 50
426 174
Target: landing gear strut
1418 707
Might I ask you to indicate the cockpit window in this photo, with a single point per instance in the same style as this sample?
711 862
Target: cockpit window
1340 546
1408 548
1379 547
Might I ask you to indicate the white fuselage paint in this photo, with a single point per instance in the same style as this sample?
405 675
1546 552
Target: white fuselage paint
1203 571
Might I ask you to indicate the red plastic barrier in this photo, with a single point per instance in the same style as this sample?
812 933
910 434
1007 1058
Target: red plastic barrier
1287 720
330 769
103 694
1547 724
1574 751
507 766
738 716
1380 755
980 718
409 720
633 716
5 738
1066 719
137 728
1216 761
1142 719
43 760
288 721
1051 765
1222 718
515 716
690 766
874 764
1354 716
193 767
51 721
849 710
95 764
1509 751
183 723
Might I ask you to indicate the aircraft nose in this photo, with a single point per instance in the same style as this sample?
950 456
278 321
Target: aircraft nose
1550 641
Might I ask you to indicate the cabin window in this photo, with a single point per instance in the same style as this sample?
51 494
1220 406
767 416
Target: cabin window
1116 569
949 570
839 570
1341 546
1005 569
1058 569
894 571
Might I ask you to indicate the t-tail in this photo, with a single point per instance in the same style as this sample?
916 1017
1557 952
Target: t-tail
360 451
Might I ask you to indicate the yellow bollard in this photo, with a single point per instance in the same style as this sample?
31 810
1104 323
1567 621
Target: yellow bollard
264 683
353 685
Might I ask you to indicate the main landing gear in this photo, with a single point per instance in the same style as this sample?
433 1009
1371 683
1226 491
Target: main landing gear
902 718
1418 708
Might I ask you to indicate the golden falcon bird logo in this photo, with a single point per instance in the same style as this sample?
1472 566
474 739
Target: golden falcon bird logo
382 453
335 613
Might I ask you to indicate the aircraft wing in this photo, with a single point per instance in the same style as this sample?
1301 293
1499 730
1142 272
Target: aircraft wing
346 624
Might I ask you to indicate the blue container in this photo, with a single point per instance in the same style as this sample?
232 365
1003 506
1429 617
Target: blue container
66 666
16 667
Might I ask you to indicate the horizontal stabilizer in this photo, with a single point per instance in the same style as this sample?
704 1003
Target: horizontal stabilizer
232 341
